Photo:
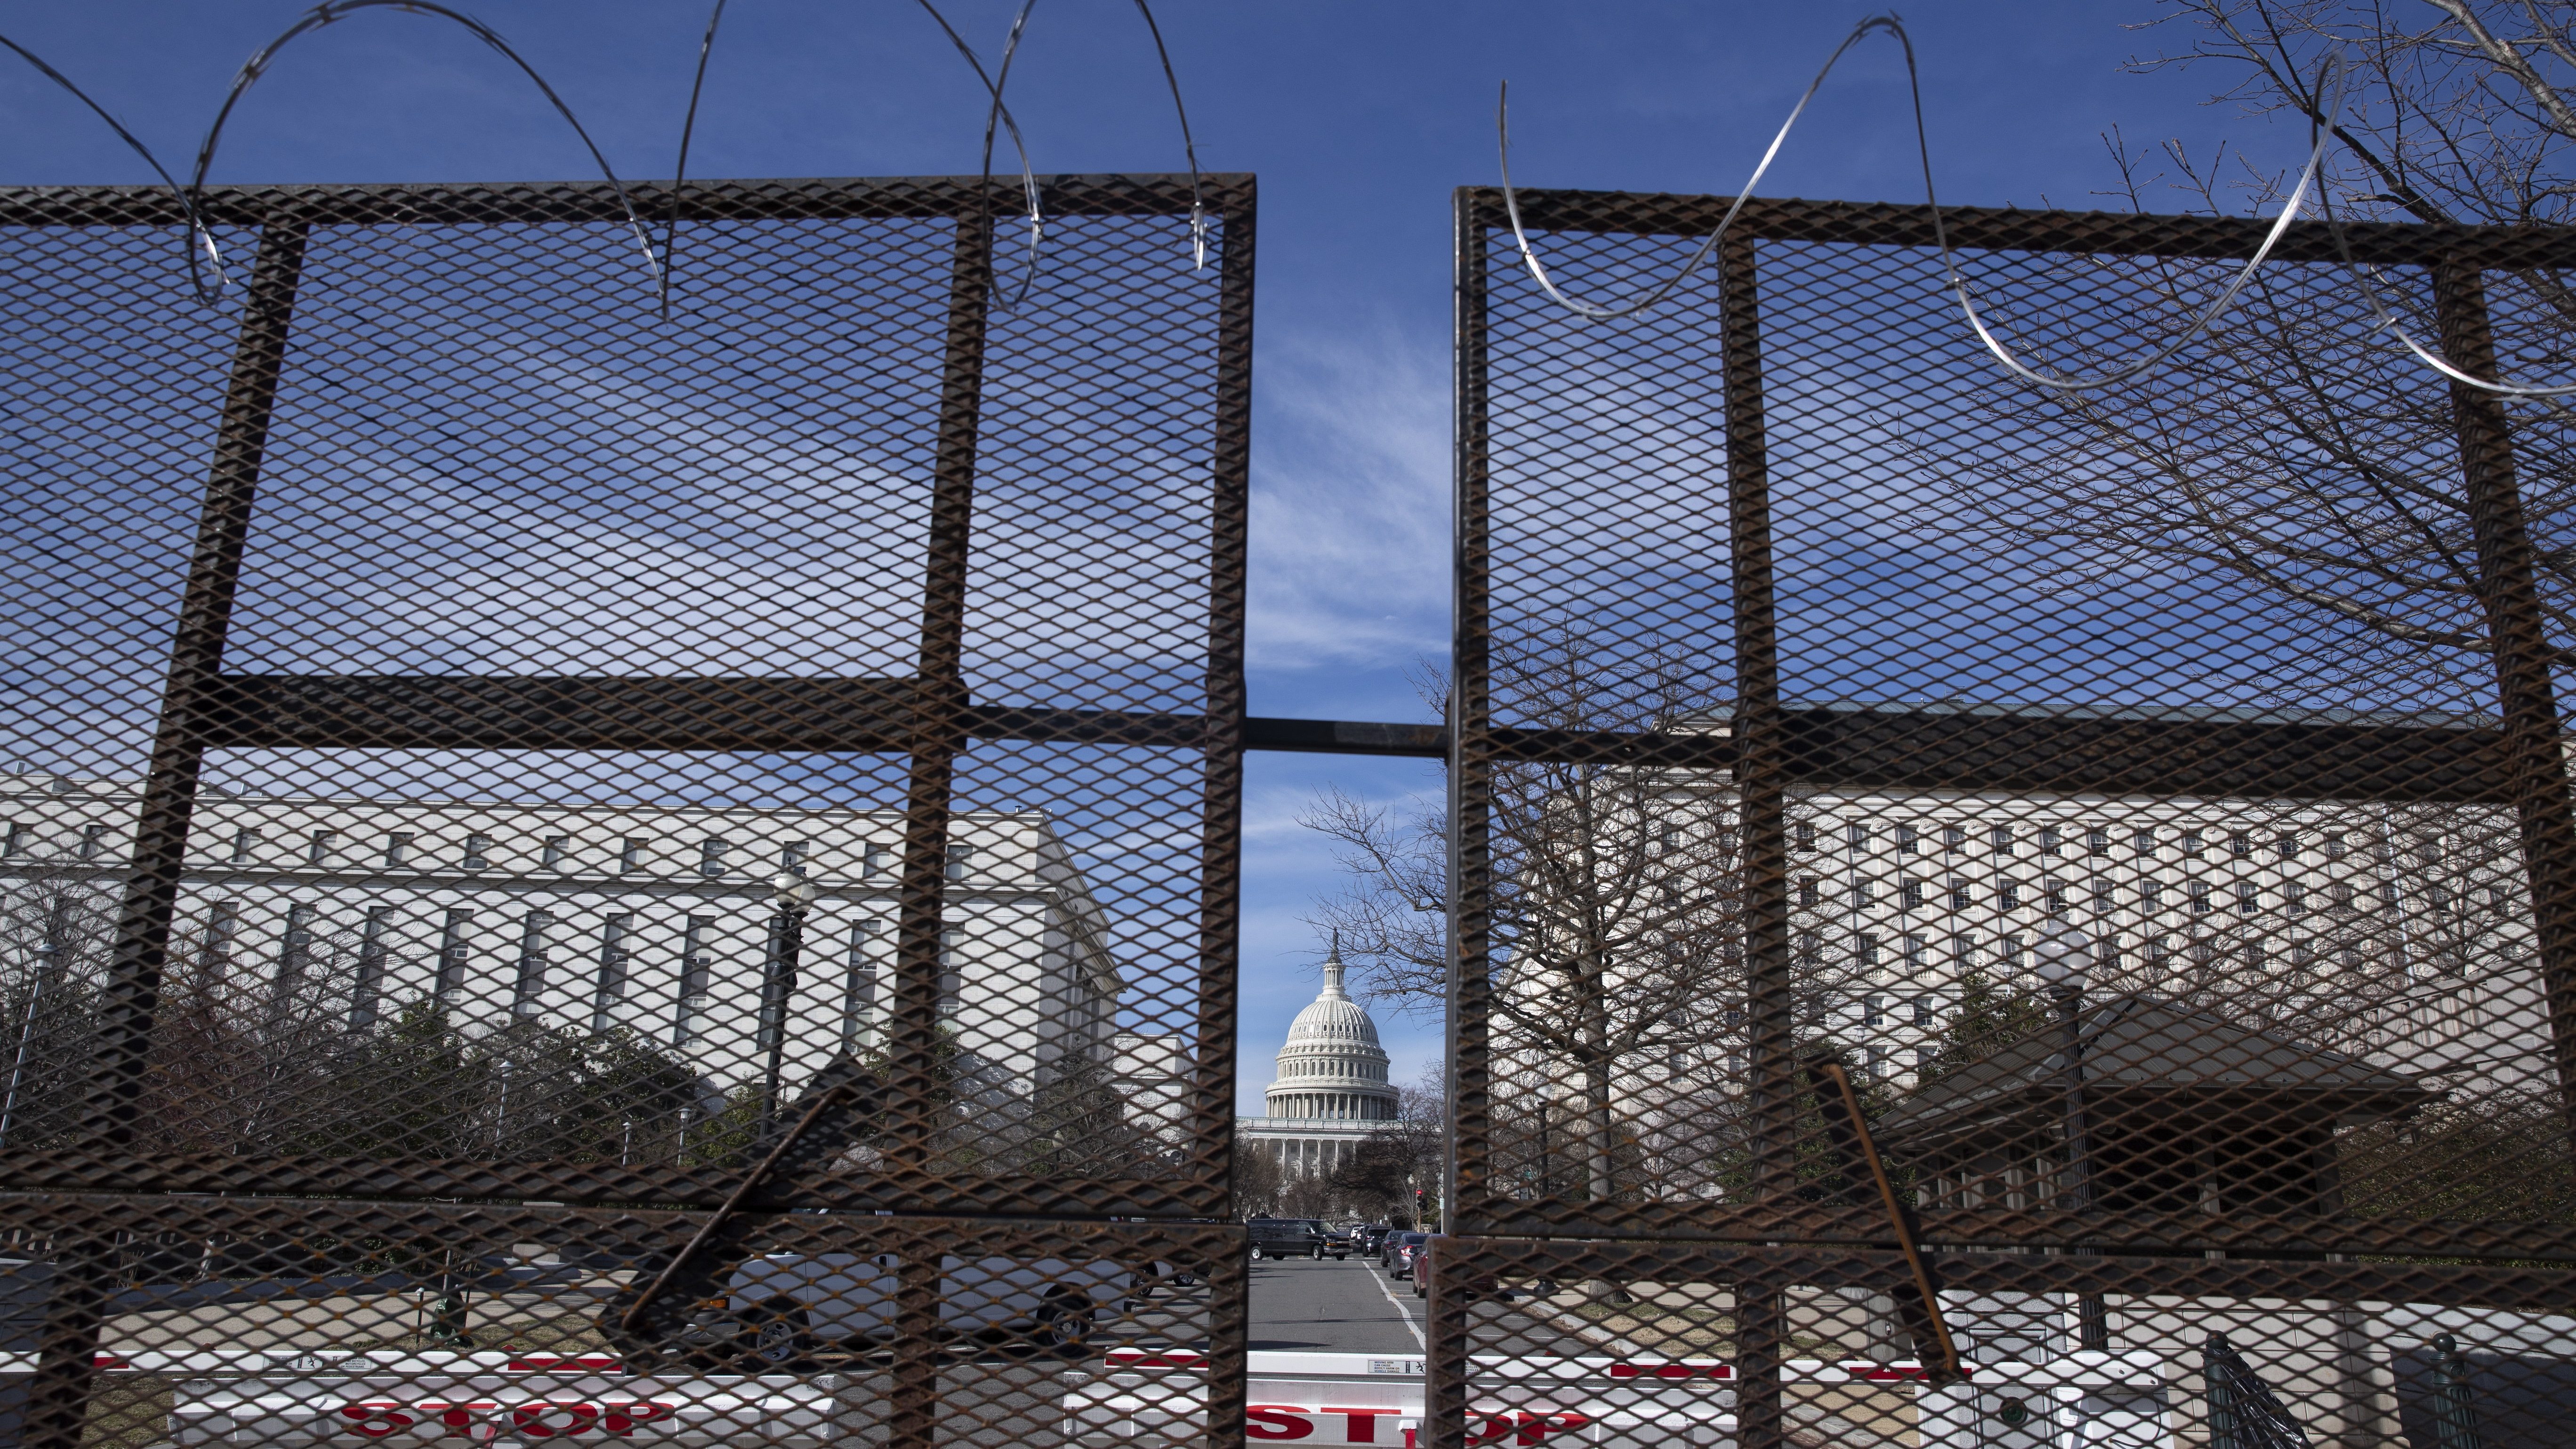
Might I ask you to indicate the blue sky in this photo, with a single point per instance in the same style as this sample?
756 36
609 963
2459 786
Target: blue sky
1359 118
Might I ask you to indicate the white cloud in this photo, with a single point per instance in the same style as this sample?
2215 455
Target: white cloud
1350 504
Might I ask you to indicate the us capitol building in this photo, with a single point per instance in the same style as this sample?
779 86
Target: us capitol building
1331 1090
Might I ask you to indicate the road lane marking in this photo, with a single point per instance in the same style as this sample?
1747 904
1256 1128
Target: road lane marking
1387 1287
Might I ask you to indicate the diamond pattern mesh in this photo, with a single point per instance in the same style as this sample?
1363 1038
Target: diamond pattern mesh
573 873
2093 870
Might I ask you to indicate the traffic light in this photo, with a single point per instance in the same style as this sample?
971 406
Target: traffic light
1418 1218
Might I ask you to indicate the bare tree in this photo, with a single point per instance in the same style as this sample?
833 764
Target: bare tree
2296 455
1616 915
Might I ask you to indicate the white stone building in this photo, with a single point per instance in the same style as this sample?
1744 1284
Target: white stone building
1330 1090
655 919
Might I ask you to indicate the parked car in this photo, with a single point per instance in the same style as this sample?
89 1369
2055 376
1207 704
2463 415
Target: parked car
785 1305
1366 1237
1400 1251
1421 1263
1286 1237
1337 1243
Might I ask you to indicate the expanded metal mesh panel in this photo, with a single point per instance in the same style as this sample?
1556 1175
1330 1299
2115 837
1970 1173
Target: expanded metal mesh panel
489 740
1901 805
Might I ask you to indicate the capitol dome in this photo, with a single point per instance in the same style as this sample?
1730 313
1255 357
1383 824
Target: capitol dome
1332 1067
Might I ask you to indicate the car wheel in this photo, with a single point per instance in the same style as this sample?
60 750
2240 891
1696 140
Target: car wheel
781 1332
1064 1322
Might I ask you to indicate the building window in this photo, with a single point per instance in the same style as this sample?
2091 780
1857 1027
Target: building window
2103 899
2429 850
859 995
1924 1058
2057 897
478 852
2151 895
2287 844
455 953
2010 894
2248 898
552 852
223 924
16 841
2340 893
2295 895
697 971
245 842
791 857
1914 953
294 954
711 856
1954 839
2049 840
949 984
2001 837
1806 835
93 841
1856 834
1908 840
961 862
1911 892
1963 950
2240 844
614 954
532 963
397 848
872 860
2143 840
1862 893
630 855
2012 953
1959 898
1807 891
1811 949
1873 1011
2097 841
2199 890
318 849
2191 844
370 985
1924 1011
1869 950
2336 848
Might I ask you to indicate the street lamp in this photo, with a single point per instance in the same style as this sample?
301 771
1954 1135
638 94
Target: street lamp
1546 1167
2065 955
792 895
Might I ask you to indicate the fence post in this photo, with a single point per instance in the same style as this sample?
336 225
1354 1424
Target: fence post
938 733
2535 763
58 1398
1470 799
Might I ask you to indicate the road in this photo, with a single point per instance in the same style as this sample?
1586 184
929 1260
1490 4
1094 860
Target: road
1324 1305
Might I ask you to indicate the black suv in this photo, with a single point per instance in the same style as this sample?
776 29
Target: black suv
1286 1237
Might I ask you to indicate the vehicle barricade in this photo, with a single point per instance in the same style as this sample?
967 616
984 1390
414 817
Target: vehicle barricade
1377 1399
244 1397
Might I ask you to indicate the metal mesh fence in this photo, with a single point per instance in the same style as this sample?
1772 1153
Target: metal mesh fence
576 874
2093 869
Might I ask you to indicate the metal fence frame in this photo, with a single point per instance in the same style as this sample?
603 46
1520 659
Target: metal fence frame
84 1201
1774 747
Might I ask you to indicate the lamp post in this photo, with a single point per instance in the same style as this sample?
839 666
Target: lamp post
791 894
2065 955
1546 1164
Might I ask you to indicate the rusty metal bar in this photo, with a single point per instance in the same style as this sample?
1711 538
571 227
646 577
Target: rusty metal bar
2534 744
913 1414
1761 792
1467 1162
1221 803
59 1404
2082 233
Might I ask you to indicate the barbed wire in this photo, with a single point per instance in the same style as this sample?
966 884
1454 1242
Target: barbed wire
205 252
2324 104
